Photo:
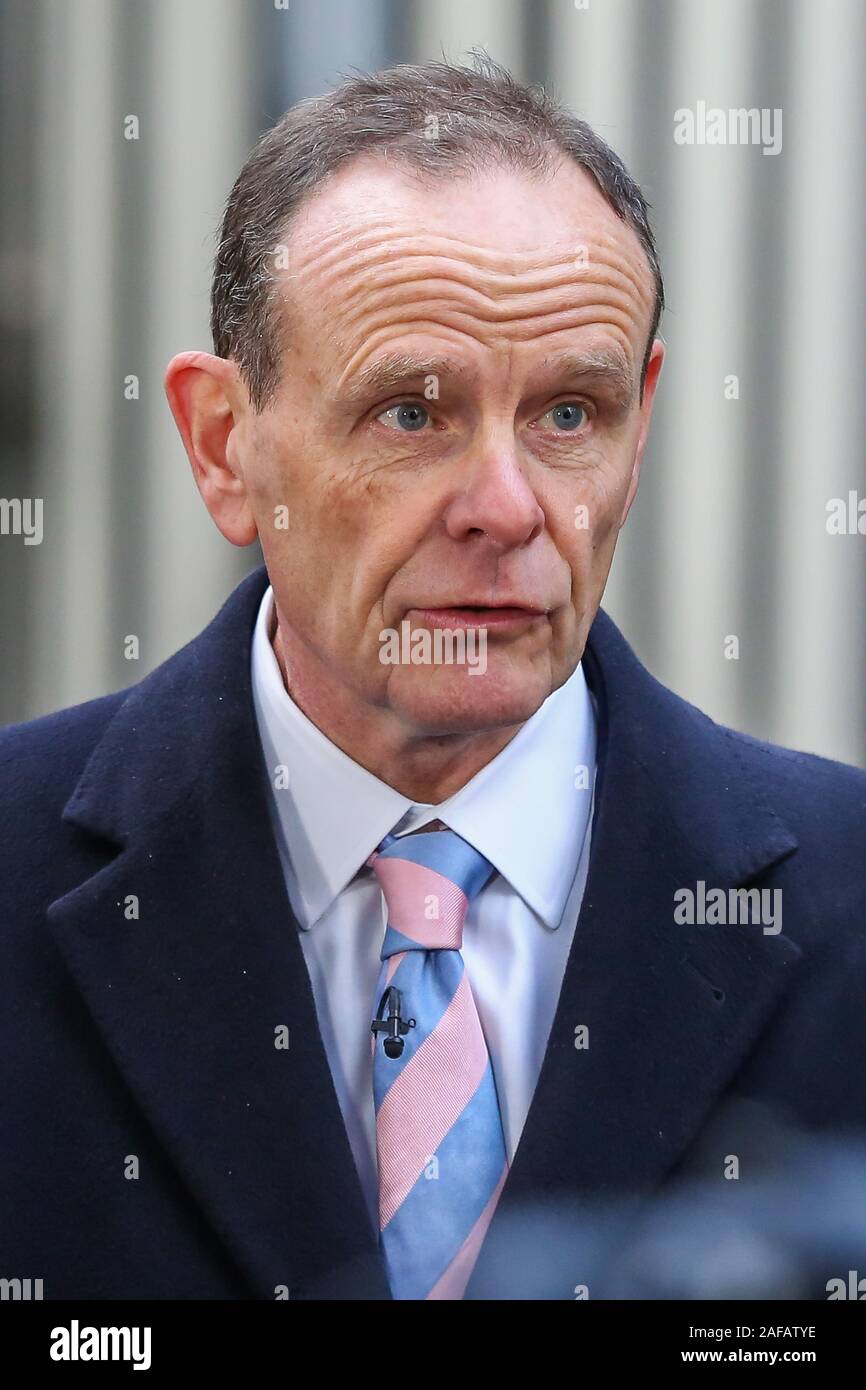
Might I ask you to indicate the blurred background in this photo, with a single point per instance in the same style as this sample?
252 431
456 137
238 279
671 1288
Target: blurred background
105 255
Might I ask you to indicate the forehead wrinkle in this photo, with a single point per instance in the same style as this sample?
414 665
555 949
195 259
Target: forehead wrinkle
383 235
495 299
493 288
477 322
371 288
350 277
373 285
359 304
395 291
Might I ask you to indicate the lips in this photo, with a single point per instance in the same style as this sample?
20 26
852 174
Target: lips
479 605
479 615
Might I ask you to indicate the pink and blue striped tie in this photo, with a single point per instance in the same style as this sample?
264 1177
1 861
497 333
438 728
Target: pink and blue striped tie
441 1149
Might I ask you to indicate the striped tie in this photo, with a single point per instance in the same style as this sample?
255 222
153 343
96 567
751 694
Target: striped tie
442 1156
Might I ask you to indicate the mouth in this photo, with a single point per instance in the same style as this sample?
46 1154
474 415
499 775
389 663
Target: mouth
498 617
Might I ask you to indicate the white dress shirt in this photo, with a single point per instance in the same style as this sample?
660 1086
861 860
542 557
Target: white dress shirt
523 811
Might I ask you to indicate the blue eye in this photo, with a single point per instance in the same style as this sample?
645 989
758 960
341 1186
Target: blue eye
407 416
569 415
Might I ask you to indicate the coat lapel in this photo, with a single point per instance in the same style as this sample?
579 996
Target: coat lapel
672 1010
189 996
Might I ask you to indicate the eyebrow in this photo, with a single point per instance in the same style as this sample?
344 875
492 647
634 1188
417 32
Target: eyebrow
396 369
602 365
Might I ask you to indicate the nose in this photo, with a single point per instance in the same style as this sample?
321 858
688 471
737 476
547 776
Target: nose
496 499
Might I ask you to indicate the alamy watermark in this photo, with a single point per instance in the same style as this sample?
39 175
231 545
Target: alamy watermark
448 646
20 1290
853 1287
710 125
702 906
22 516
77 1343
846 516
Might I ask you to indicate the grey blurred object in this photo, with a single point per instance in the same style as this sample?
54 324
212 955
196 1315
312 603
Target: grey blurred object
794 1220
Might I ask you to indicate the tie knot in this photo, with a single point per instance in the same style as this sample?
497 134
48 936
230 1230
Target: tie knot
428 881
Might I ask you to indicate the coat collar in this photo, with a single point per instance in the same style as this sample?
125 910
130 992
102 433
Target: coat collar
189 995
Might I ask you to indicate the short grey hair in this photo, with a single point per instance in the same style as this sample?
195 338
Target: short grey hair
484 118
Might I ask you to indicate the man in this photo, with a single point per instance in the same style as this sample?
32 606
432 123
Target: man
343 962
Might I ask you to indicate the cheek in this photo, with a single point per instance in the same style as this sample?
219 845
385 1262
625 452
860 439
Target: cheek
321 514
363 525
583 513
276 493
382 511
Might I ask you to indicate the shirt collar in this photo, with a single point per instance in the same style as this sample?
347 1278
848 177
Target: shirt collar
527 810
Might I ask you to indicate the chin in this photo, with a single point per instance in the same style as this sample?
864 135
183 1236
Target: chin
449 700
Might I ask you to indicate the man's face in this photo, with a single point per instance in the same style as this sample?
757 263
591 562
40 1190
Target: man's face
456 436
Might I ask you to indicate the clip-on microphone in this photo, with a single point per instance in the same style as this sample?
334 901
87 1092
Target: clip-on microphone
394 1025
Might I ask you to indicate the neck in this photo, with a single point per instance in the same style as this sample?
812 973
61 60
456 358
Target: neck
426 768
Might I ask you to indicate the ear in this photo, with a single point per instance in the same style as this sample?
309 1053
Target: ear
209 401
653 371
